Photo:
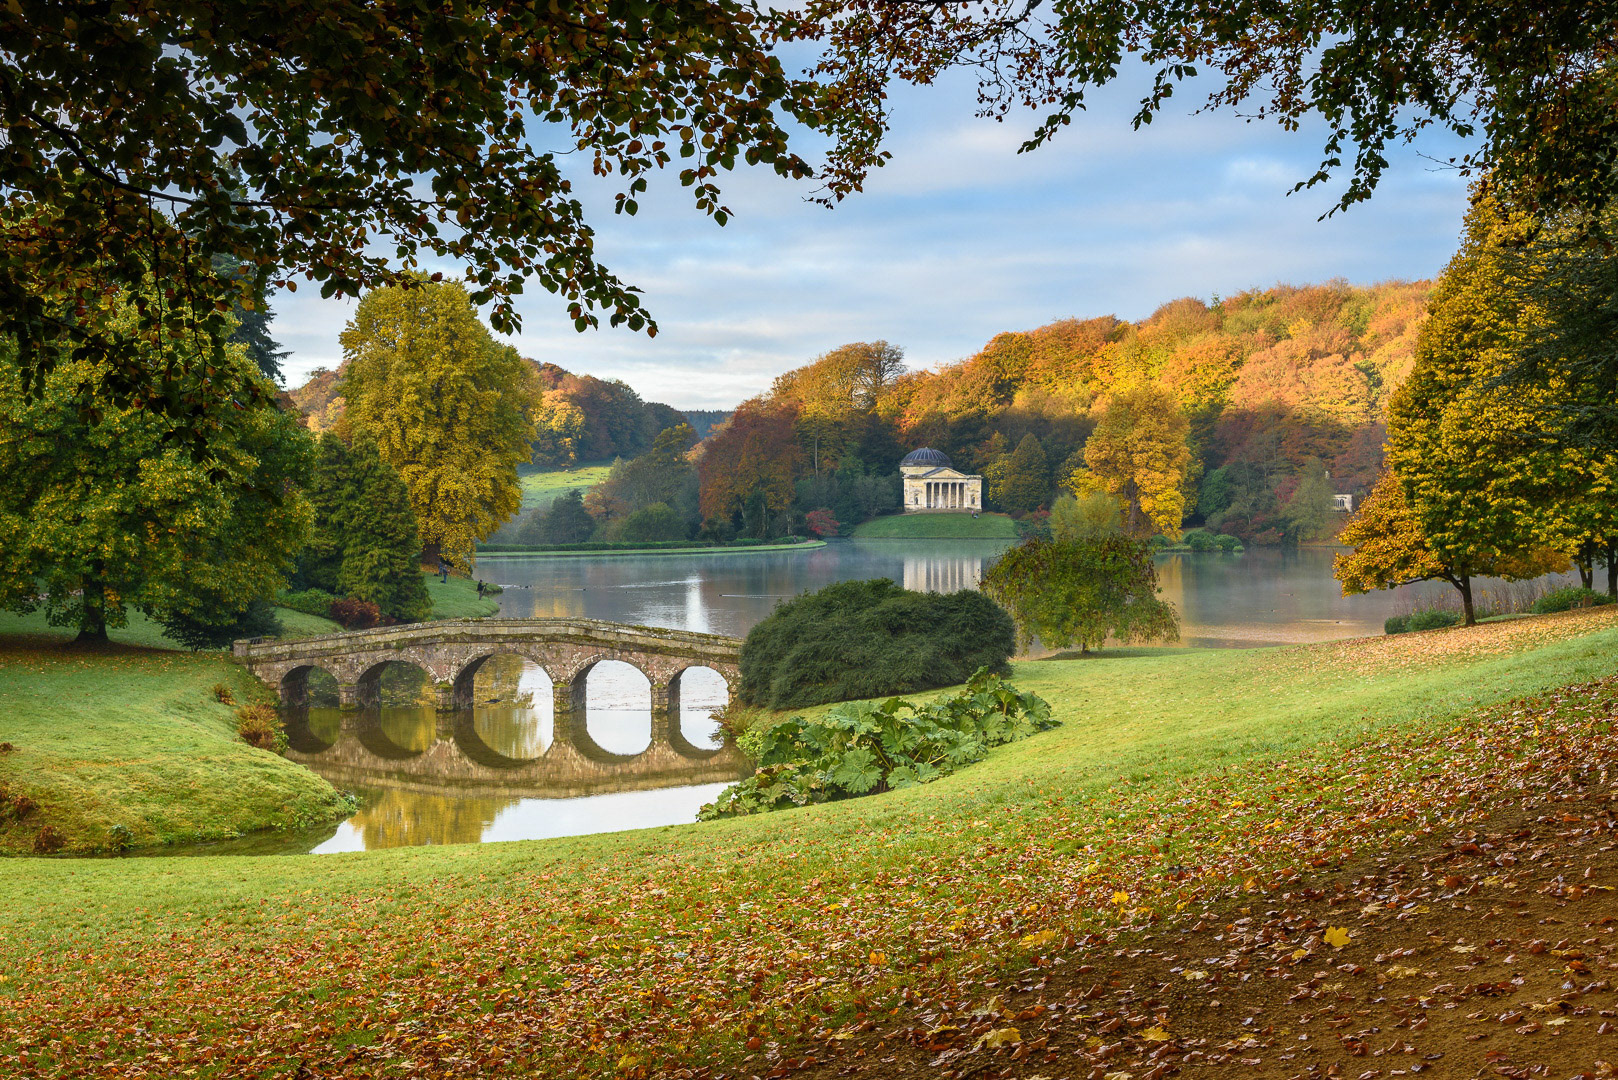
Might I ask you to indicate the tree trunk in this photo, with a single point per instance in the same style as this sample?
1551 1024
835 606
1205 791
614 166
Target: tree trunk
93 614
1465 585
1585 560
1612 569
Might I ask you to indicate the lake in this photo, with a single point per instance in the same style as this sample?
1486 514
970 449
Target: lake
492 773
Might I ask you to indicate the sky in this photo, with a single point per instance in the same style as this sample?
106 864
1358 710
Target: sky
960 238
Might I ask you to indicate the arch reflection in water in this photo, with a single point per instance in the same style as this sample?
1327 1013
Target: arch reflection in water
514 713
618 708
700 693
431 777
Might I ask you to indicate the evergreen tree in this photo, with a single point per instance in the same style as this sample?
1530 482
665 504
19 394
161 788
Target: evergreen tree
364 544
567 521
1020 482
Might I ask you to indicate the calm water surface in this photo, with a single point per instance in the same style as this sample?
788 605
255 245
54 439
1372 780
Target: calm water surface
497 772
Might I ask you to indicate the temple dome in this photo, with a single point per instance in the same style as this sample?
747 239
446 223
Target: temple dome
926 457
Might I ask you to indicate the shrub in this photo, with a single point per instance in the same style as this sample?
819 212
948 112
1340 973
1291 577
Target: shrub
1433 620
860 748
21 806
222 694
864 639
658 521
352 614
119 837
309 601
1228 542
1567 598
1397 624
1200 540
48 840
260 726
211 626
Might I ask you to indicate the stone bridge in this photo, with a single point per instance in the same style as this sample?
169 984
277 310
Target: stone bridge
452 651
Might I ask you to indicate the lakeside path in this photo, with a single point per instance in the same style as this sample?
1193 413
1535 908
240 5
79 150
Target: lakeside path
1184 793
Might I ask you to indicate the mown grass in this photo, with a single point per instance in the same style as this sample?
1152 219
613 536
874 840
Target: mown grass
458 598
138 738
937 527
542 486
632 953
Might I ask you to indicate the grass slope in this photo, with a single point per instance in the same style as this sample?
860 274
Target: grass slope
937 527
458 598
136 737
636 953
540 487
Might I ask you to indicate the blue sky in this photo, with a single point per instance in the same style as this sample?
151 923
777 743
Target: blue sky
960 238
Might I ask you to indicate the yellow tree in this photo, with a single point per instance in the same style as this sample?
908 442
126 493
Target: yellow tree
448 407
1138 454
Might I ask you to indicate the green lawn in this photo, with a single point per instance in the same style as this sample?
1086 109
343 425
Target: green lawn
541 486
637 953
937 527
136 737
458 598
298 624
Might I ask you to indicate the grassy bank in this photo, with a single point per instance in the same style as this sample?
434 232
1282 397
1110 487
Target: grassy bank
137 738
1176 777
458 598
542 486
937 527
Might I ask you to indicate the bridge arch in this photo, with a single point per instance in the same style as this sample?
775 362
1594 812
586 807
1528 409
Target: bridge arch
613 726
310 684
512 700
395 680
695 692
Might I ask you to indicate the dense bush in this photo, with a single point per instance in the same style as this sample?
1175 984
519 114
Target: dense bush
1567 598
1433 620
354 614
308 601
204 628
1396 624
860 748
1200 540
863 639
659 521
1228 542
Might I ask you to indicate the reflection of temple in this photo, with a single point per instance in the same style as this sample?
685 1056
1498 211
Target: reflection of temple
942 573
932 485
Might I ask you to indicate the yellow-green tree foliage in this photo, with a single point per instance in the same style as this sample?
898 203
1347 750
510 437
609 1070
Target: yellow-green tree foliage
103 509
1138 455
834 392
449 408
1389 549
1490 491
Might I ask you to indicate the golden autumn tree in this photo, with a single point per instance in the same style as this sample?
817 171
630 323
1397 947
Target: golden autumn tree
447 406
1138 454
749 458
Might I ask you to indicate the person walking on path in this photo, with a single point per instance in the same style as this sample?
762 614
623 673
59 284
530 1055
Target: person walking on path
443 569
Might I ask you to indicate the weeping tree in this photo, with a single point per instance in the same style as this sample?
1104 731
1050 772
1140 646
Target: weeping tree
1081 591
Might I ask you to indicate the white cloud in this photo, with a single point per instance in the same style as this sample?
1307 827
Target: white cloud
961 238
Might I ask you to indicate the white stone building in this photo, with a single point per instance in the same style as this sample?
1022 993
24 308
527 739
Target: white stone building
931 485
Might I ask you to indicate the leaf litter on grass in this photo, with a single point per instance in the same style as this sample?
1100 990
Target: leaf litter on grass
684 965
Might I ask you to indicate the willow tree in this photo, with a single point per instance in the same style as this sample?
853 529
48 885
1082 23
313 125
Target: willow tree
1081 591
449 408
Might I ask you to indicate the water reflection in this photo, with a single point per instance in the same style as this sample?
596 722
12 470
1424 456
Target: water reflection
506 769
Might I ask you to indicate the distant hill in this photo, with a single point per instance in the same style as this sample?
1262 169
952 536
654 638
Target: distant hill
704 421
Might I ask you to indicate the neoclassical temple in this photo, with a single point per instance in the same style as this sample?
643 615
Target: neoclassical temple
931 485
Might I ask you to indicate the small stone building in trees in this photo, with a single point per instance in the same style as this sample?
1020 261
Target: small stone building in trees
932 485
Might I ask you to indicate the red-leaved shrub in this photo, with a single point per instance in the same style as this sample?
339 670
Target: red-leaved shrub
355 614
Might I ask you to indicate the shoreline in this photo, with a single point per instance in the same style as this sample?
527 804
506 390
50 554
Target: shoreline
805 546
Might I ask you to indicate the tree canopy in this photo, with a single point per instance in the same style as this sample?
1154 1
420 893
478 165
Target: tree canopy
445 405
1082 590
347 143
108 512
1138 454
